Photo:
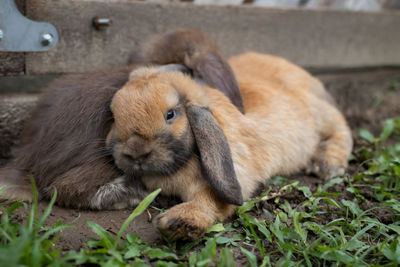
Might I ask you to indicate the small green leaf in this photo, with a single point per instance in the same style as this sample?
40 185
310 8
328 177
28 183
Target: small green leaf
102 233
283 216
209 250
226 258
222 240
218 227
354 244
192 259
248 205
203 262
116 255
132 252
306 191
332 182
156 253
139 263
133 239
387 129
353 207
366 135
250 257
166 264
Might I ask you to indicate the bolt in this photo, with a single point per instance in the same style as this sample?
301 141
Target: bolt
46 39
100 23
1 34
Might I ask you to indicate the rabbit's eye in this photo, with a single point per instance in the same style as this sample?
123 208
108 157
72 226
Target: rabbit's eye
170 115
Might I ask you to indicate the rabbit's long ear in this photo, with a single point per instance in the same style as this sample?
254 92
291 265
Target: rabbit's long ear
212 70
199 53
215 155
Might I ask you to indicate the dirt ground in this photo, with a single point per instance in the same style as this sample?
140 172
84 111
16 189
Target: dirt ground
366 98
74 238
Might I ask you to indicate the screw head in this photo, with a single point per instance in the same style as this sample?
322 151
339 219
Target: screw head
46 39
100 23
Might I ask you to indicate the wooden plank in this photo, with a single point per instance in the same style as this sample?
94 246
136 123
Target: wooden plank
13 63
317 39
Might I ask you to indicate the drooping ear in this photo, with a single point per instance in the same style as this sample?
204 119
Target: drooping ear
199 53
212 70
215 154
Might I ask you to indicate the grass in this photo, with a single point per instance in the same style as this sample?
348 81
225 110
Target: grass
352 220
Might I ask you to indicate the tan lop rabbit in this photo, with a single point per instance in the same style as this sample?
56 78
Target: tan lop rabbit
191 141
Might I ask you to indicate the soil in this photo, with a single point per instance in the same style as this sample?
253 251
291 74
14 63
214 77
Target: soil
377 98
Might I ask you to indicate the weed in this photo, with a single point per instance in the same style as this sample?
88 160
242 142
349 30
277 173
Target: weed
29 244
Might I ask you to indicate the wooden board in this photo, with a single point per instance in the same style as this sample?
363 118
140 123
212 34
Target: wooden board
317 39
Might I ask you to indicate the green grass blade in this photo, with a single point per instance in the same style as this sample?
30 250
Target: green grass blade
226 258
34 209
53 230
363 231
250 257
102 233
47 211
139 209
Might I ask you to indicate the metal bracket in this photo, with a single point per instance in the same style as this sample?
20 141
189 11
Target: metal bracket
20 34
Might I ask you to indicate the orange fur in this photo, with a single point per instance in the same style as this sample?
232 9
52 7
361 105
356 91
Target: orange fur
289 124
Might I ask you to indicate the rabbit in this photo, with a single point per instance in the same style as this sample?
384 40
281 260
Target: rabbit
188 139
63 144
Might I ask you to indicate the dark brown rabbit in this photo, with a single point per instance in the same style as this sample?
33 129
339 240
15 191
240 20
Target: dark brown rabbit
63 144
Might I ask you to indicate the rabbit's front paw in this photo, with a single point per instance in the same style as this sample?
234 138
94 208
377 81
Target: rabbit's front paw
184 221
324 170
117 195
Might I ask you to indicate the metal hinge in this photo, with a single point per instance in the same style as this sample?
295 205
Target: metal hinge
20 34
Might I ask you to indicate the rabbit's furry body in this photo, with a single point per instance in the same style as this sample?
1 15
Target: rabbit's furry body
289 124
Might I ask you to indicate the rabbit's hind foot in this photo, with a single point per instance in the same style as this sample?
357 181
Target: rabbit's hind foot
329 160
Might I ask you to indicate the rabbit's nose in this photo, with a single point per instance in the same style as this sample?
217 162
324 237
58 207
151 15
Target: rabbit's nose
136 149
136 156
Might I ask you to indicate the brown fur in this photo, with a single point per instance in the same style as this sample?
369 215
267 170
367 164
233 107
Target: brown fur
198 52
63 145
289 124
